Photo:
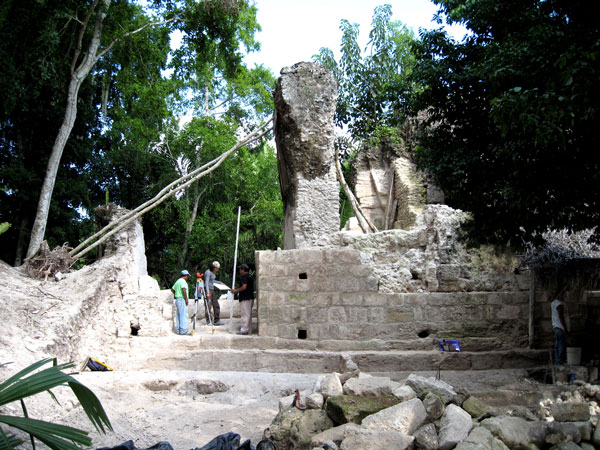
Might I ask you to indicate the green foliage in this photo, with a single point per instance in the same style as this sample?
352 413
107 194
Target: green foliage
371 84
248 179
4 226
31 381
512 113
132 93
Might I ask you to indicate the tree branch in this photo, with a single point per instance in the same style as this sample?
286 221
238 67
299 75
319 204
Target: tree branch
363 221
131 33
164 194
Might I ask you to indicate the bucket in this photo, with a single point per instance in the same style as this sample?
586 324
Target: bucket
574 356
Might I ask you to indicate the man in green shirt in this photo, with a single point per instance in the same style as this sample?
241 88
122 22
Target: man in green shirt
180 290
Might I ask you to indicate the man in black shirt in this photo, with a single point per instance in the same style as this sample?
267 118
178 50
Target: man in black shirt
246 297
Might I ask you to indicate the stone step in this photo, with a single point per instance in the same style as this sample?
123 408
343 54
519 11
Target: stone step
229 352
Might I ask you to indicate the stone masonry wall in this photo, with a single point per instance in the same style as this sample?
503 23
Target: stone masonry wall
334 294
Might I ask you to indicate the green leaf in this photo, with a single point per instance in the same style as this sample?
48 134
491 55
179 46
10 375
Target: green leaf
28 382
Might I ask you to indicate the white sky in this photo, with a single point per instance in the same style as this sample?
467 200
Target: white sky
294 30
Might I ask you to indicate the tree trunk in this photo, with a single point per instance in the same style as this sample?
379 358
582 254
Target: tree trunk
78 75
21 242
189 227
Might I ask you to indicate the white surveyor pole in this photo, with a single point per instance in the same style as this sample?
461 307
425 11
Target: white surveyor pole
230 294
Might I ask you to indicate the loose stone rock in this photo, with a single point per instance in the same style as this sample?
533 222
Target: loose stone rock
404 393
366 439
426 437
475 407
481 438
405 417
368 386
454 427
422 385
329 386
570 411
434 406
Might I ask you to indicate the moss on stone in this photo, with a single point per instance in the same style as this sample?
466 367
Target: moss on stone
351 408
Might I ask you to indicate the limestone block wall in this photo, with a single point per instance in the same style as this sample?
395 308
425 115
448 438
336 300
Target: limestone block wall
334 294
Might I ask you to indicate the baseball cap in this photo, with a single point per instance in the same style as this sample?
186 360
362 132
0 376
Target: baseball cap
244 266
184 272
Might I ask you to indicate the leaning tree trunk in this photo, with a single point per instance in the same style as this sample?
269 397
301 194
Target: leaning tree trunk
78 75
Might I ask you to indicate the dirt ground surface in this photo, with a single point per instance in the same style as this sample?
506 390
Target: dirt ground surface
185 408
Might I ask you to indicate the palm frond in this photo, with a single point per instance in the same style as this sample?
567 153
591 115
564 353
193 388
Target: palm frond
9 441
55 436
29 382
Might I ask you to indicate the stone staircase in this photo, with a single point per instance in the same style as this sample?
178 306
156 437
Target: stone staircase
224 351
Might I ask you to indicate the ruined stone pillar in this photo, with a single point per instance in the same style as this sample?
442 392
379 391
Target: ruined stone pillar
305 99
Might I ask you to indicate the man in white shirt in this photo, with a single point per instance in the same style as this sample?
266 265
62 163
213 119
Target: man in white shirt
559 325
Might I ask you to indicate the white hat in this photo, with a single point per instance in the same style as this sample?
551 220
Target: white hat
216 264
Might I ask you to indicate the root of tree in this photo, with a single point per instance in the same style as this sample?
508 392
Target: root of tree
49 262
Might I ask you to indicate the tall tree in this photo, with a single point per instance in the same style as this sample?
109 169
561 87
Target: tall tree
114 112
512 113
373 83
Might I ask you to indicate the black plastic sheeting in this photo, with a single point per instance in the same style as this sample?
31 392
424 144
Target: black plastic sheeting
227 441
129 446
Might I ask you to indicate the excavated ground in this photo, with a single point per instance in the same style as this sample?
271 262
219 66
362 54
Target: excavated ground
188 389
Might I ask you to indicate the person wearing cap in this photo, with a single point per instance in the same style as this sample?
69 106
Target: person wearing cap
209 289
246 297
180 291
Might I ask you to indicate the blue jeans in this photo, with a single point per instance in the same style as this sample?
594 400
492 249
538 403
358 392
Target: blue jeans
560 346
182 316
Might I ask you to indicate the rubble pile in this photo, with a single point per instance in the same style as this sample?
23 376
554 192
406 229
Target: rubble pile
352 411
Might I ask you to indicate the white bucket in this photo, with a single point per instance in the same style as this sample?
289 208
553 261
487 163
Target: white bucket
574 356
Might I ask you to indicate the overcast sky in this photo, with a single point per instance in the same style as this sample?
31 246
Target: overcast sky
294 30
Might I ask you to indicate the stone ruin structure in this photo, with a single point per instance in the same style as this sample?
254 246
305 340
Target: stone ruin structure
404 288
305 98
409 284
390 189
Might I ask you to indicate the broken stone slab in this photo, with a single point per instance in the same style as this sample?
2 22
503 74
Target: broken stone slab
516 432
368 439
585 428
350 408
455 426
422 385
404 417
434 406
335 434
329 386
366 386
481 438
475 407
561 432
570 411
426 437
